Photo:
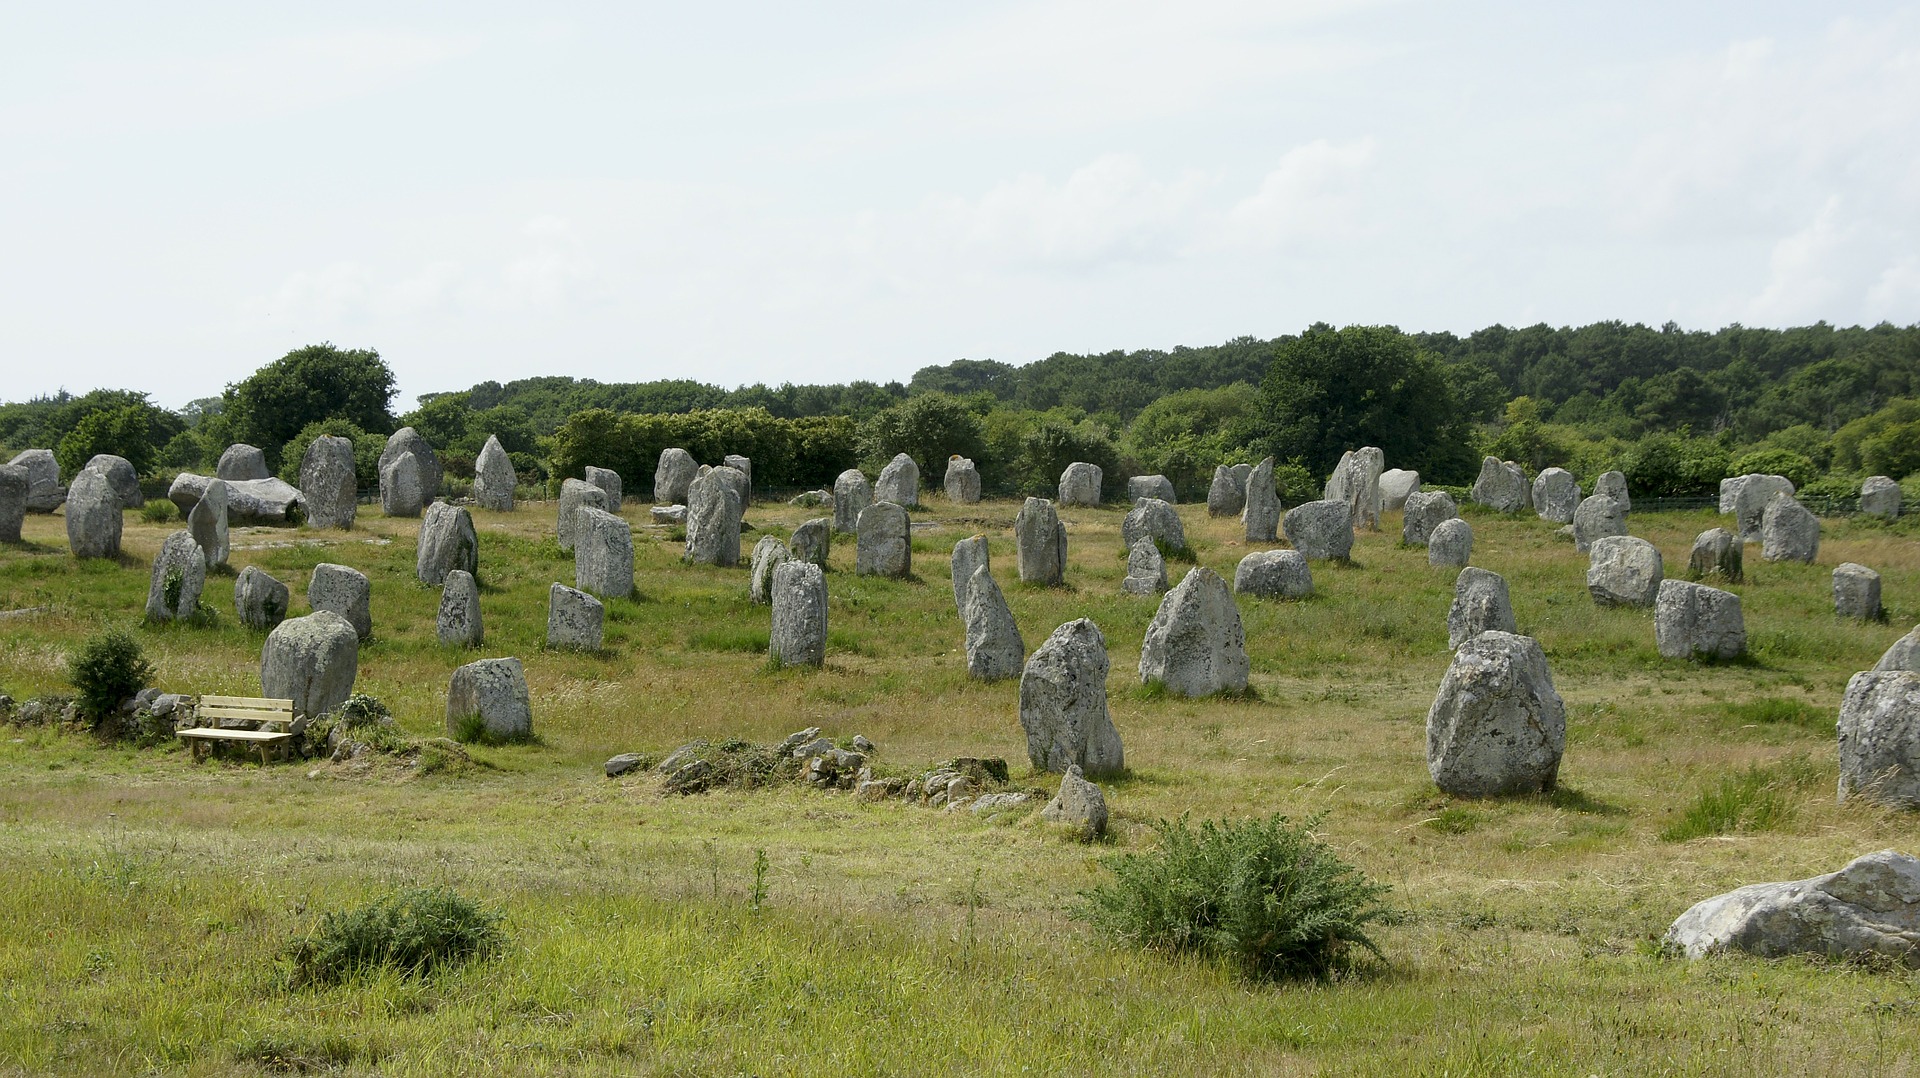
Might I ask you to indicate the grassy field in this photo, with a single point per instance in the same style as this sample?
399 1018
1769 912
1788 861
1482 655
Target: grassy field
147 900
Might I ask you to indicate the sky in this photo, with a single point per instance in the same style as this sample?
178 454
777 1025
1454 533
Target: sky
745 192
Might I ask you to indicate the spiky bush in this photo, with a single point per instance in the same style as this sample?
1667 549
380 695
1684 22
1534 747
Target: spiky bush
415 932
107 669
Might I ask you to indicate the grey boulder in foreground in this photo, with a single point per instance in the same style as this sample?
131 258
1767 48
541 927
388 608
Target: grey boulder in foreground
1872 906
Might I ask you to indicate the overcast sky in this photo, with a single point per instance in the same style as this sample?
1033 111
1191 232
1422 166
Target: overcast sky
821 192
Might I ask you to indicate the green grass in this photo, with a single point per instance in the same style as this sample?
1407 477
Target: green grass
1757 799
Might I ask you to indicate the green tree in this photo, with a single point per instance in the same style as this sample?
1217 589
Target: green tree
929 428
123 431
309 385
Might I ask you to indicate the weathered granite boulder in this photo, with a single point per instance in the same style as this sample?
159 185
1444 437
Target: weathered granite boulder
241 461
813 541
1322 530
1693 621
1079 805
1880 497
1501 486
1227 495
884 544
714 507
672 476
1556 494
768 554
1146 570
14 486
1903 655
1450 544
94 520
576 621
345 591
312 661
1274 574
1614 485
260 601
1750 495
1151 486
1151 518
328 482
899 482
408 440
1717 553
493 477
1195 645
995 649
1596 517
126 482
179 573
447 542
608 481
962 481
575 495
45 492
495 692
969 554
1480 604
851 495
1423 511
208 522
1880 738
402 491
1356 481
1856 592
458 623
1789 531
745 467
1040 543
799 636
249 501
1080 484
1869 907
1497 726
1063 703
1624 571
1395 485
1260 519
602 553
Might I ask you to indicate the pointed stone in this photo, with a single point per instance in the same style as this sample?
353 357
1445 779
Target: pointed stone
1196 645
447 542
208 522
1480 604
493 477
179 574
458 623
1260 518
1063 703
899 482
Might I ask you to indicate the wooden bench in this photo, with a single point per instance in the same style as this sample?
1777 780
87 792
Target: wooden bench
209 710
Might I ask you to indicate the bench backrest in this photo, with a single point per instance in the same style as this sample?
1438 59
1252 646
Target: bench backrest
254 708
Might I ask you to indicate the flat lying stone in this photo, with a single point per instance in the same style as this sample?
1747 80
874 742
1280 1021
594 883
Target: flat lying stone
1869 907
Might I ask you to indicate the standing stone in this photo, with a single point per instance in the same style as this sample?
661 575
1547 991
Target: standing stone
1614 485
1501 486
179 572
713 519
1356 481
1079 805
1151 486
1151 518
602 553
493 477
1856 592
734 477
1730 494
995 650
962 481
1274 574
1869 907
1063 703
1624 571
575 495
1595 518
1695 621
1395 485
1451 543
402 492
327 480
260 602
1227 495
208 522
1146 570
885 541
899 482
458 622
1880 738
608 481
813 541
799 636
1789 531
1322 530
345 591
1751 495
496 691
312 661
1480 604
14 486
1080 484
407 440
1556 494
745 467
447 542
851 495
1497 726
1260 516
768 554
1903 655
126 482
1040 543
1880 497
672 476
576 621
94 520
969 554
44 491
1195 645
1424 510
241 461
1717 553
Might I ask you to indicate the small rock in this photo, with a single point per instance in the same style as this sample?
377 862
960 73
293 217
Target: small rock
1856 592
623 763
1079 805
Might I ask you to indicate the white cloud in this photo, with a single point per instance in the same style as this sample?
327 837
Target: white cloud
1313 194
1109 209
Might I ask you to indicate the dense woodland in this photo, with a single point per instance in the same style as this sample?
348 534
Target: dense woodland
1677 410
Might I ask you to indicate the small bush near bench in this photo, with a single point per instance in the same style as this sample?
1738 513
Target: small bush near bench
415 931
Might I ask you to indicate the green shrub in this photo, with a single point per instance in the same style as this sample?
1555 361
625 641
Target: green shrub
1795 466
416 932
107 669
1265 895
159 511
1757 799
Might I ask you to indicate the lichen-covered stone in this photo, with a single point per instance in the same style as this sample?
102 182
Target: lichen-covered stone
899 482
1274 574
1716 553
1624 571
458 623
1395 485
1146 569
1322 530
1856 592
1880 738
608 481
799 635
1040 543
345 591
602 553
744 466
1556 494
1749 495
241 461
575 495
45 492
328 482
260 601
1692 621
1227 494
672 476
1450 544
1880 497
1356 481
962 481
1594 518
1497 726
270 502
1063 703
1870 907
402 491
1151 518
447 542
995 649
1480 604
576 621
1502 486
208 523
1196 645
14 486
714 507
1151 486
1614 485
1789 531
407 440
1260 516
1903 655
851 495
94 520
119 471
1423 510
179 573
493 477
495 690
768 554
312 661
968 555
884 541
1079 805
813 541
1080 484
